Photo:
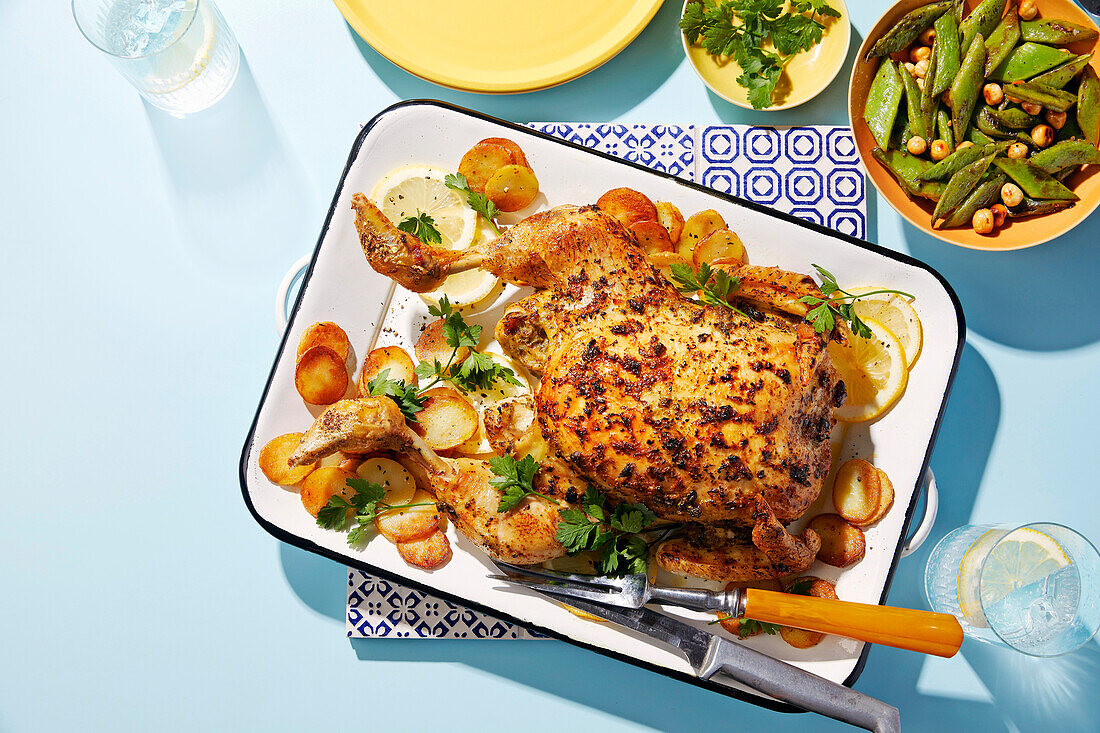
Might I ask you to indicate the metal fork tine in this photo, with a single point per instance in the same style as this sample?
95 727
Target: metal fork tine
532 582
610 599
592 581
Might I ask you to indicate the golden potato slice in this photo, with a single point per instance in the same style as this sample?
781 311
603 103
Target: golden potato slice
697 228
856 491
841 543
671 219
432 345
394 358
446 421
885 498
483 160
801 638
651 236
414 523
325 333
734 625
512 187
513 147
391 476
628 206
664 261
428 553
321 376
273 460
721 245
322 485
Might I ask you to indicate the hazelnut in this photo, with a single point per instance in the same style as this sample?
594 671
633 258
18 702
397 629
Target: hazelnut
921 68
940 149
916 145
993 94
1017 151
1028 9
920 53
982 221
1057 120
1011 194
963 144
1031 108
927 36
1043 135
1000 213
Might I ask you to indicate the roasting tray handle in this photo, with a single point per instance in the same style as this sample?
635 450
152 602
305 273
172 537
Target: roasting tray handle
928 482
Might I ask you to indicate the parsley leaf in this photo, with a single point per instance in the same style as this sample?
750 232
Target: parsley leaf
615 534
477 370
801 586
408 398
365 505
712 284
837 305
479 202
515 479
422 226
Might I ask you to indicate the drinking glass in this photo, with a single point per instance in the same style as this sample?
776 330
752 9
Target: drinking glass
179 54
1034 588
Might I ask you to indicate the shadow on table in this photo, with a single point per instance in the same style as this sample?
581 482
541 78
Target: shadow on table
238 193
602 94
320 583
1039 299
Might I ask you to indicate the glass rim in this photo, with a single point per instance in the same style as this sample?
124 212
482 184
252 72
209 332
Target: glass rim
1012 529
183 30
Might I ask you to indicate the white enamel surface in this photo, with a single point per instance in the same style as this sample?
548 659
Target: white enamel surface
344 289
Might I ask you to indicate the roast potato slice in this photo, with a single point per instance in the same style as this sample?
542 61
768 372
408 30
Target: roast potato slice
447 419
734 625
428 553
432 345
391 476
664 261
697 228
856 491
512 187
325 333
651 236
801 638
323 484
885 497
513 147
483 160
414 523
321 376
671 219
273 460
719 245
394 358
841 543
628 206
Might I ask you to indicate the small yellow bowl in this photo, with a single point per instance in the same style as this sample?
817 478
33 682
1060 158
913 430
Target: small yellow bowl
1016 233
806 75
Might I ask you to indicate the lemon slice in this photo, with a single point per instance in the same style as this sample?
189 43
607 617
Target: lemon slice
988 575
414 189
472 290
873 371
897 314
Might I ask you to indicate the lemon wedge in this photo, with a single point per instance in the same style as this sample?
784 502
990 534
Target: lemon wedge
873 371
897 314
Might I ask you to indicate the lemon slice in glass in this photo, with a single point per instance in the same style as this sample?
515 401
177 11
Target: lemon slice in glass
897 314
873 371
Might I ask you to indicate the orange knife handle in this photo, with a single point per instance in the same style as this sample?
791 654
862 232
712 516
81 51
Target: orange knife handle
904 628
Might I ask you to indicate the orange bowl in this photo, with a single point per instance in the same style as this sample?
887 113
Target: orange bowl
1016 233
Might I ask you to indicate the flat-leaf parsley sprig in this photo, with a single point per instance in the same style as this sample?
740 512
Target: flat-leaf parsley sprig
479 202
422 226
360 511
615 533
515 479
713 284
837 305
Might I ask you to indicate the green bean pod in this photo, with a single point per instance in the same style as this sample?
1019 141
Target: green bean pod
929 102
907 29
908 169
959 187
1088 105
881 108
984 121
1032 207
947 52
913 104
982 197
1028 60
1058 100
967 86
981 22
943 127
1034 182
1003 39
1066 154
1056 32
1013 118
959 159
978 137
1059 76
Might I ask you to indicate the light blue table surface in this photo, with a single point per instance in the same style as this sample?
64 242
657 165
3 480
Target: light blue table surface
140 258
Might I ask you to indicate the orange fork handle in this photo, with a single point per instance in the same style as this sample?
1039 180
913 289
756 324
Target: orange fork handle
904 628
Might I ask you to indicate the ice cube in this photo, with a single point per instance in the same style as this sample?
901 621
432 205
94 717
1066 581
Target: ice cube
151 15
134 42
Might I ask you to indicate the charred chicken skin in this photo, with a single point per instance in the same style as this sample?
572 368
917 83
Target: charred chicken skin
714 417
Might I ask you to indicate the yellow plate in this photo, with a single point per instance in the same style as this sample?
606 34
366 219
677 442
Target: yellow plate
806 76
498 46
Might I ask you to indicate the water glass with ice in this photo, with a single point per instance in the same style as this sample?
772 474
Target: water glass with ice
179 54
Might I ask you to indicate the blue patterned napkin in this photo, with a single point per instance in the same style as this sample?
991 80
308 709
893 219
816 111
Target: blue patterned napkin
810 172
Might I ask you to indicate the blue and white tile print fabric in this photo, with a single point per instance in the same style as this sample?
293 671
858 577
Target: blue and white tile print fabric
810 172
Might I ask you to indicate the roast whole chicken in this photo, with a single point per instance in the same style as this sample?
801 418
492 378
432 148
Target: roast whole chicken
712 417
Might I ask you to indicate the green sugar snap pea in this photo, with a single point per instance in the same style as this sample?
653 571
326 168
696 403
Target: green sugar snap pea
1059 76
929 102
907 29
881 108
981 22
1034 182
948 56
1028 60
1066 154
959 187
1003 39
943 127
1013 118
1088 105
982 197
908 169
1055 99
959 159
1032 207
967 85
1058 32
912 104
